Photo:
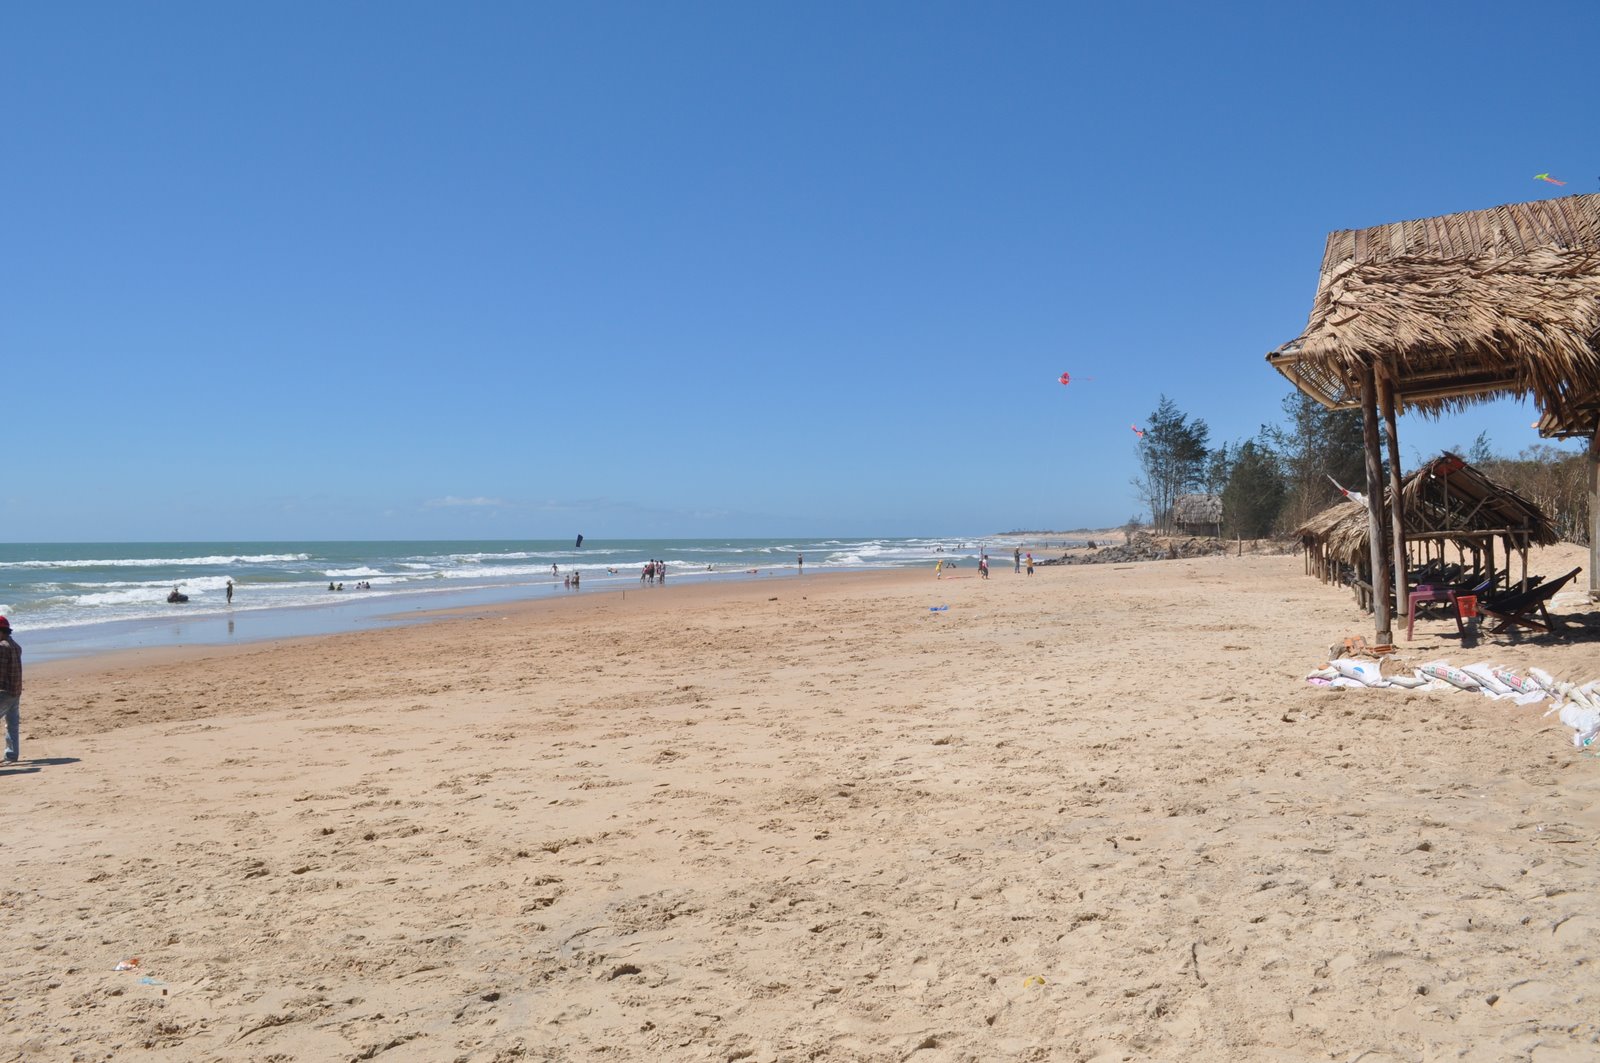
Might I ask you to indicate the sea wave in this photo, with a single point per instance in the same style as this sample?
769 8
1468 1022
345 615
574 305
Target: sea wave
159 562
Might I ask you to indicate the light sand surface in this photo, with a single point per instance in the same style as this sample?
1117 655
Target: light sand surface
1095 814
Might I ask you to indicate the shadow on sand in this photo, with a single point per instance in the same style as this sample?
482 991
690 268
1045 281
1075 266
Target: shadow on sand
1564 628
28 767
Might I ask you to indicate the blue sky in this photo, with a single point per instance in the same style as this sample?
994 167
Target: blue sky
402 270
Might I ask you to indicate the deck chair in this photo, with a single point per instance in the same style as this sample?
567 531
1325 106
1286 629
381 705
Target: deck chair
1518 608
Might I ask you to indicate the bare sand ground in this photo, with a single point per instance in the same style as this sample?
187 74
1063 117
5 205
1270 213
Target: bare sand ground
1095 814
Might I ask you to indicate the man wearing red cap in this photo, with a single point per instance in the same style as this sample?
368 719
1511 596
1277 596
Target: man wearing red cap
10 689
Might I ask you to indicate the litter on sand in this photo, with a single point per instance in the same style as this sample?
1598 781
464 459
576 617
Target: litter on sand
128 965
937 608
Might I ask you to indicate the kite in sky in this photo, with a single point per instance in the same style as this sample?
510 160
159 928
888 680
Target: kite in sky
579 542
1066 378
1547 178
1137 430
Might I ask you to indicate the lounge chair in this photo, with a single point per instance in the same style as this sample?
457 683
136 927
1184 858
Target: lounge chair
1436 573
1517 609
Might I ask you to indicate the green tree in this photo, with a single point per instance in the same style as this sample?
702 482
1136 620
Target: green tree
1313 445
1555 480
1219 466
1172 459
1255 492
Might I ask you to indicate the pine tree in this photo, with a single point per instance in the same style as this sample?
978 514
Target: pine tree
1173 457
1255 493
1315 444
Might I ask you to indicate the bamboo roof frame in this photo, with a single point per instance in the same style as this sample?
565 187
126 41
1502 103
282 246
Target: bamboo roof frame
1445 498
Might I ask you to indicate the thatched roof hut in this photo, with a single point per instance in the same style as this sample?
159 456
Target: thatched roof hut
1198 514
1461 308
1436 314
1446 501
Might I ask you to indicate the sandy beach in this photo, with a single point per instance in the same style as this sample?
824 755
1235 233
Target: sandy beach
1093 814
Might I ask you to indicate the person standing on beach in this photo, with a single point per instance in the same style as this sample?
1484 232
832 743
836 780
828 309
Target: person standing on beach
938 569
1016 560
11 690
1030 564
800 560
230 592
983 566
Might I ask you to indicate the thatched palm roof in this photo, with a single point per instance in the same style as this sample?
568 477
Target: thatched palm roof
1443 496
1197 509
1461 308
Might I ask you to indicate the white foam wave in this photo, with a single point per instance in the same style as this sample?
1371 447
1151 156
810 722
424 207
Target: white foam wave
497 571
123 597
202 583
159 562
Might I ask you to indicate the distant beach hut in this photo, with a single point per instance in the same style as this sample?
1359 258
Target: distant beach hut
1448 505
1437 314
1198 515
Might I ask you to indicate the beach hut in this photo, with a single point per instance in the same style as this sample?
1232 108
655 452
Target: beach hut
1198 515
1447 505
1436 314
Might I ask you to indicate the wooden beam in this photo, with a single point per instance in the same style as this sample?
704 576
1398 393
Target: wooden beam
1594 515
1380 567
1396 500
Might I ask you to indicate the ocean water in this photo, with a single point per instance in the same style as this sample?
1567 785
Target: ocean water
70 599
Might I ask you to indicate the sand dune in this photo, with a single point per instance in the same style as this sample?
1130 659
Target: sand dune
1095 814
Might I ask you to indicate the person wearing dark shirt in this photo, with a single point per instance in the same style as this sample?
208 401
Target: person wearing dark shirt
10 689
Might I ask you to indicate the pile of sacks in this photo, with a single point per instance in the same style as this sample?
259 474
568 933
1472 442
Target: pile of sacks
1578 703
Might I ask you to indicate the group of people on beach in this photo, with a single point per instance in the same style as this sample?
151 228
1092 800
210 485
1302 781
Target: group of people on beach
652 571
363 585
1017 561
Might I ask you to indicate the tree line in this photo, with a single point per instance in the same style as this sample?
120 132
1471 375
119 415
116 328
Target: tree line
1272 483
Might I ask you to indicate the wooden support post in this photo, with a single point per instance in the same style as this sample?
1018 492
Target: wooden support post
1380 564
1594 515
1396 503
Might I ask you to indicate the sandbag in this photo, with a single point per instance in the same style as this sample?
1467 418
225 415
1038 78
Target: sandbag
1367 673
1443 670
